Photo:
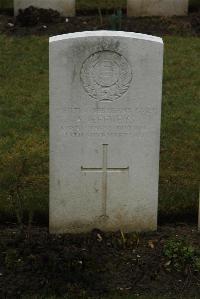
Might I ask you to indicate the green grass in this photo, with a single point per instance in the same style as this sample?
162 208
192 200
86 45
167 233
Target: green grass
180 126
6 4
24 126
194 3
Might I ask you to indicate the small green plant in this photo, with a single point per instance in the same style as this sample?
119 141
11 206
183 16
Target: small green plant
100 12
116 20
127 240
181 256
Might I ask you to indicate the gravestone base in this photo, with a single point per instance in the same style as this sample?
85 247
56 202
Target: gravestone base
166 8
104 223
64 7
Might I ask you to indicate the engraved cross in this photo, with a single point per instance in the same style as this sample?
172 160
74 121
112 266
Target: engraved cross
104 170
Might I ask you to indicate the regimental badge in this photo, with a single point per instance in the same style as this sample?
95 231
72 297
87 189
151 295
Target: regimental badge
106 75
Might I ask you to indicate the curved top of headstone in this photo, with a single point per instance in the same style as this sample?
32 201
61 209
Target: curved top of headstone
104 33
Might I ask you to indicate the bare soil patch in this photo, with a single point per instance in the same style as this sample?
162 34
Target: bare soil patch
49 22
95 264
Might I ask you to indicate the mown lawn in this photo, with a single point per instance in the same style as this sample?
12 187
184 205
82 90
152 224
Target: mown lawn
24 128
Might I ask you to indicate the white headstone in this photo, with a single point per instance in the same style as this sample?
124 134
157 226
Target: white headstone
138 8
105 110
64 7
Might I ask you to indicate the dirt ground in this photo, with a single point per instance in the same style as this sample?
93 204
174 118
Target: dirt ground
97 264
49 22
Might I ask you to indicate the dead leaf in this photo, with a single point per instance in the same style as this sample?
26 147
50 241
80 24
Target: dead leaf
99 238
167 263
151 245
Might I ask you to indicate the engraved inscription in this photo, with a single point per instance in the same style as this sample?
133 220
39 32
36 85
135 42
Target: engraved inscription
105 170
106 122
106 75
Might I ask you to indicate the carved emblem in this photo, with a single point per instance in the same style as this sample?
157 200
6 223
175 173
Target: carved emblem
106 75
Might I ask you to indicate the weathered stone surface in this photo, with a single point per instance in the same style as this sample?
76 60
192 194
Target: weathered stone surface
166 8
105 108
64 7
